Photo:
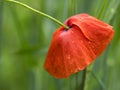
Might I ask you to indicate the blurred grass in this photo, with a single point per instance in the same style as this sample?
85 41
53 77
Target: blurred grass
25 38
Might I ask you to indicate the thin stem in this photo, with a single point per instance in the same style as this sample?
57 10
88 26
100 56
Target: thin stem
39 12
76 79
83 79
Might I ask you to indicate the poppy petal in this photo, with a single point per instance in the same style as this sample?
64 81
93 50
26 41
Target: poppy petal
74 49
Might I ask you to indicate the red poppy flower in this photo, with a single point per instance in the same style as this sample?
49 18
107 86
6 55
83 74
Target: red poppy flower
74 49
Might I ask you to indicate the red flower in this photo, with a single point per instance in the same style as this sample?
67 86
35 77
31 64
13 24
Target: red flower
74 49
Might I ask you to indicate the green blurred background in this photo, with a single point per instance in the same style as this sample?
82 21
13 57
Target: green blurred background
25 38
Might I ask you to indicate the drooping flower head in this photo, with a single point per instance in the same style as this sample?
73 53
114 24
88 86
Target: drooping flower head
74 49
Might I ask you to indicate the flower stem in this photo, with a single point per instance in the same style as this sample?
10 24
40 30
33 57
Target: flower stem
39 12
83 79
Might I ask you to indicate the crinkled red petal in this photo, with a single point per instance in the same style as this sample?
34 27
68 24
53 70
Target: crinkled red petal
74 49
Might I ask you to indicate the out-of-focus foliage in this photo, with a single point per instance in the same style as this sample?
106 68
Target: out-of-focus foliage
25 38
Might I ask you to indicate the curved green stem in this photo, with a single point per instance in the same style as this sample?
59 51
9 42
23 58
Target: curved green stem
39 12
83 79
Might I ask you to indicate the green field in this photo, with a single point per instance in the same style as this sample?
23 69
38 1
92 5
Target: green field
25 38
